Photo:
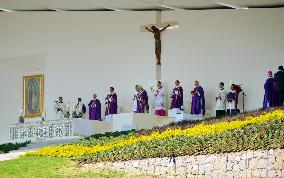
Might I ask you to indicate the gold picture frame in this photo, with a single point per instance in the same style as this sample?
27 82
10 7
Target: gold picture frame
33 96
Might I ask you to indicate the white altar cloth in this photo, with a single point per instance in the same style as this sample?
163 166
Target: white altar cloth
45 129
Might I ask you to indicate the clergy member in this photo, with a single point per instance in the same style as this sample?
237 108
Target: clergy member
80 109
160 105
231 101
221 101
200 92
95 108
279 77
142 101
135 99
177 97
60 108
270 92
195 104
111 102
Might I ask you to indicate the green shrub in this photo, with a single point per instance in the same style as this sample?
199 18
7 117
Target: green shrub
5 148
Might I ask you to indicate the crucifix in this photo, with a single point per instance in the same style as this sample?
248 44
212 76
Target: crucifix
157 29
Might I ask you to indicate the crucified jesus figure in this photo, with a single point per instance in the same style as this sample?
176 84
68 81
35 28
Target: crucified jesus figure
157 35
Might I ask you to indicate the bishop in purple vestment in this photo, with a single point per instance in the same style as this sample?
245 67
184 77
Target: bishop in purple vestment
200 94
271 94
177 96
94 108
111 102
195 103
142 101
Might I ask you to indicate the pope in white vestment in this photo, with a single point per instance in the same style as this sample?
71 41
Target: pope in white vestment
160 105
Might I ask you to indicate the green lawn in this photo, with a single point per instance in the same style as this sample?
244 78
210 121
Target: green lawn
42 167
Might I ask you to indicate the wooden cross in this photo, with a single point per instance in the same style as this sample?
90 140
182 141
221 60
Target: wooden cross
157 29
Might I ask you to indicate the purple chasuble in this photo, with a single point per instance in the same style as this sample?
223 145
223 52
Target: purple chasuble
177 98
142 102
95 110
195 105
111 104
271 94
201 98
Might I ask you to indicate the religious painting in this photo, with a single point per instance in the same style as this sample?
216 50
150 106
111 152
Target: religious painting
33 93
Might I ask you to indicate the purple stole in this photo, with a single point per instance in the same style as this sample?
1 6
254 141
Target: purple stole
111 104
271 94
95 109
177 99
201 98
231 96
142 101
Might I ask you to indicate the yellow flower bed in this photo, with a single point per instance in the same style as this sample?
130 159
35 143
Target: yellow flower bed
74 150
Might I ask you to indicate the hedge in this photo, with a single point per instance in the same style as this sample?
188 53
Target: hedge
5 148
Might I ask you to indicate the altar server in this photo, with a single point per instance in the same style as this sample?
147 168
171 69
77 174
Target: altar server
95 108
111 102
142 101
271 95
200 93
221 101
79 110
60 108
160 105
231 101
177 96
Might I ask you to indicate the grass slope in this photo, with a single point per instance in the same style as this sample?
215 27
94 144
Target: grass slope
43 167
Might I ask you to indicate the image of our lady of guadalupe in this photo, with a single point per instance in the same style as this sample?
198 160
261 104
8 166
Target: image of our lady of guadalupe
33 96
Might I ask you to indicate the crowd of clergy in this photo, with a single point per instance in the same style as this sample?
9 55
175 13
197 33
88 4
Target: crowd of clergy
226 101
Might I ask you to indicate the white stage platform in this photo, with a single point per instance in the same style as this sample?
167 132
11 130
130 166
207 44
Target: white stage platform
86 127
181 115
119 122
129 121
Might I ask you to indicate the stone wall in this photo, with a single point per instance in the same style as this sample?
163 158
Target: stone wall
261 163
